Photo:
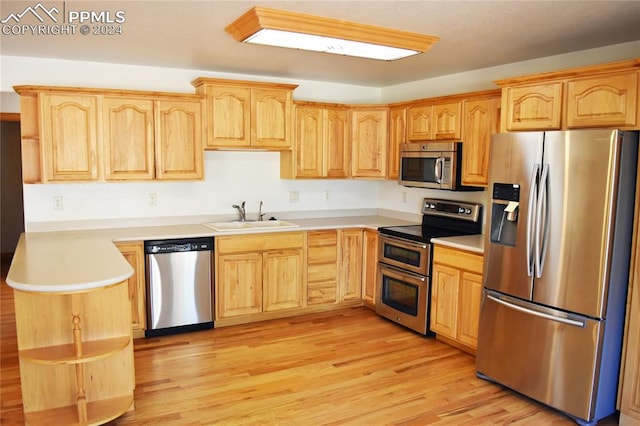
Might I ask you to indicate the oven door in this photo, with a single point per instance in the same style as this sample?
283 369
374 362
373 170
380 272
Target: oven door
403 297
405 254
426 169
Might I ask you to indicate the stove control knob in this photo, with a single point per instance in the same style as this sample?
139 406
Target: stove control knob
467 211
460 210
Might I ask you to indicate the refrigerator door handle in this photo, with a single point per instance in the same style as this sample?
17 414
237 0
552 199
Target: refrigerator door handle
533 191
566 321
542 224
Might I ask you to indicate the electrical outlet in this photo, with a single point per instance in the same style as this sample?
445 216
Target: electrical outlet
57 202
152 199
404 196
294 196
326 195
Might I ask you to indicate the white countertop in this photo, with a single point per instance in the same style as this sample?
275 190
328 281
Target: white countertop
472 243
81 260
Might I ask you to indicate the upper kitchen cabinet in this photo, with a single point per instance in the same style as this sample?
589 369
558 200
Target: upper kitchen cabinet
74 134
397 136
69 136
437 121
321 143
369 142
595 96
245 114
480 120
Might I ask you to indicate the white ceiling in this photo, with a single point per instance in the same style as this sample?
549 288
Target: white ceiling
473 35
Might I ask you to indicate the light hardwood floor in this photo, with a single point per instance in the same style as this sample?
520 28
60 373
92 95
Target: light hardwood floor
346 367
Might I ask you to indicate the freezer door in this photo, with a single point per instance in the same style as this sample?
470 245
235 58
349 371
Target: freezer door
547 355
576 206
515 158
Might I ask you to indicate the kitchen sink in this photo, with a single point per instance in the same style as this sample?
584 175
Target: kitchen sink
251 225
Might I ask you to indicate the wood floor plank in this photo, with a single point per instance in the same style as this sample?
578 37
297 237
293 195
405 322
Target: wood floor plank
349 367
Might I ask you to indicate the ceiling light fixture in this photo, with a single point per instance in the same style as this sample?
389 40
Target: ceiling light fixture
294 30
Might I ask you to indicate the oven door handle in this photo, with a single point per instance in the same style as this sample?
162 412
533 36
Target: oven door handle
402 271
405 242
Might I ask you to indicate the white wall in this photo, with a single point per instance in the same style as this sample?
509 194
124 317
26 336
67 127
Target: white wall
252 176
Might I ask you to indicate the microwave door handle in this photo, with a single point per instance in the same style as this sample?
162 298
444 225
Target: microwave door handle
438 169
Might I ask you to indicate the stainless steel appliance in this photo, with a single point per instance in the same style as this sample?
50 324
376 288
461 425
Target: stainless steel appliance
404 260
556 266
436 165
179 285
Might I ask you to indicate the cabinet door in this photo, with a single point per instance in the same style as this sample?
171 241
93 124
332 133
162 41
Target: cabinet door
228 117
179 150
69 136
605 101
134 254
238 285
309 141
369 265
420 123
532 107
480 121
271 118
336 143
128 138
447 121
369 143
322 266
444 300
469 309
350 274
397 136
283 280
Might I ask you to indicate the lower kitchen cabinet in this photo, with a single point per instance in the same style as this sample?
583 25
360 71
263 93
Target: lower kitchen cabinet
133 252
369 267
257 275
350 269
322 266
455 296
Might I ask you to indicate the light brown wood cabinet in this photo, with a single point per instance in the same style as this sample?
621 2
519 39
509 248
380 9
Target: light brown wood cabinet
439 121
369 128
245 114
133 252
630 369
73 134
480 121
455 296
257 274
322 266
350 269
76 355
369 267
321 144
595 96
69 132
397 136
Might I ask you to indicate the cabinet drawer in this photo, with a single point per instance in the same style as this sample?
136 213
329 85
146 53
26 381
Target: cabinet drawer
321 293
258 242
322 272
322 238
459 259
322 254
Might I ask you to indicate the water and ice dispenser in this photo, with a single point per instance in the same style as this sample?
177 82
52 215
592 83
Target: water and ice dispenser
505 208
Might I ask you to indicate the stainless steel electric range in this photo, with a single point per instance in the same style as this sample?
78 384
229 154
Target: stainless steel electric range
404 260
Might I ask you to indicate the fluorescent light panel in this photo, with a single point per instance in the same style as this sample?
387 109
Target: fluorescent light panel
307 32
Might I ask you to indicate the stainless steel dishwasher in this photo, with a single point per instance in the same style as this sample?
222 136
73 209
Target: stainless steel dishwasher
179 285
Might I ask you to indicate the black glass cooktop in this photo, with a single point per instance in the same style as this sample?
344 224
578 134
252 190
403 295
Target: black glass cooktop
418 233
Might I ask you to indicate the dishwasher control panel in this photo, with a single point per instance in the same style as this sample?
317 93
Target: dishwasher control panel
177 246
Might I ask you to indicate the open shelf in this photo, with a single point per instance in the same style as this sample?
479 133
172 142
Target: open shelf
65 354
98 412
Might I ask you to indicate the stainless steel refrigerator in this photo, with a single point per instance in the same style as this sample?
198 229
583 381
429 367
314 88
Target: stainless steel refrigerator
557 258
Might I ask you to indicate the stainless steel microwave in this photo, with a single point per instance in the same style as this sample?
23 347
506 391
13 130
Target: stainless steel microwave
436 165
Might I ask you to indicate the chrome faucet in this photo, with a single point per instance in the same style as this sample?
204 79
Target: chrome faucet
260 214
241 211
